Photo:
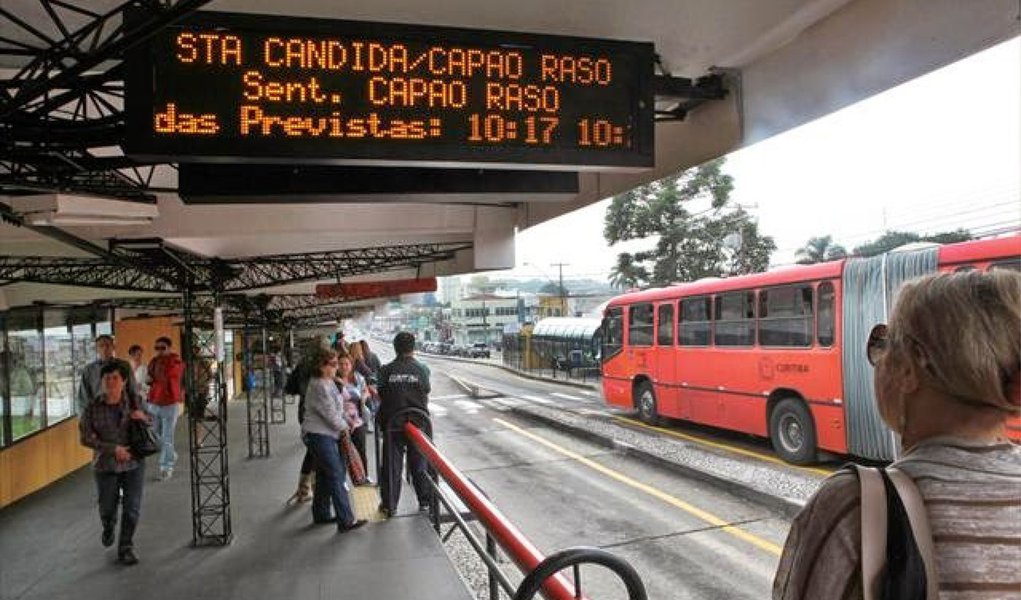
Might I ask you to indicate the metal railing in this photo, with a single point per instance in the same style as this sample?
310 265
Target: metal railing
542 573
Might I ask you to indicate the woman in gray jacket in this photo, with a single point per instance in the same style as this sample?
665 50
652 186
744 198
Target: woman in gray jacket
324 422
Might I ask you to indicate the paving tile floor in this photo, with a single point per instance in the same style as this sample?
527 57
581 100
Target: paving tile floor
50 549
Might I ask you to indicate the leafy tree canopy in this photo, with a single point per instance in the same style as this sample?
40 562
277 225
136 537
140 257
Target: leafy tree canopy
717 241
820 249
893 239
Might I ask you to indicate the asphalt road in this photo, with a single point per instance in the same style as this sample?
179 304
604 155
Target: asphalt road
686 538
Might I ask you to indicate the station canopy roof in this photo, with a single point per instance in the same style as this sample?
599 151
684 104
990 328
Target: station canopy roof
782 63
566 328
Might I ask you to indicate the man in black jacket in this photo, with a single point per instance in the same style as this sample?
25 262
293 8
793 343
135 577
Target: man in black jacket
403 384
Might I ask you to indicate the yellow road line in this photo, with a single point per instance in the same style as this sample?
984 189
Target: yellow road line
691 509
727 447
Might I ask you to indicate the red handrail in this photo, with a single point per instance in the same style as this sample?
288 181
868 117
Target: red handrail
513 542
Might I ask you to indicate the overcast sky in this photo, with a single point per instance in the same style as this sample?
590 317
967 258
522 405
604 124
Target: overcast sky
937 153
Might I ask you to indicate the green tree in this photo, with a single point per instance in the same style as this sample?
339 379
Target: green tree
627 273
553 289
820 249
893 239
689 245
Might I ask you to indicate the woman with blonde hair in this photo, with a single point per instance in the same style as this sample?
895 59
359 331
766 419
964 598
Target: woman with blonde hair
947 378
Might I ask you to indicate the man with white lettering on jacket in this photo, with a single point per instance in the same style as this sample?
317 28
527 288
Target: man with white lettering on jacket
403 383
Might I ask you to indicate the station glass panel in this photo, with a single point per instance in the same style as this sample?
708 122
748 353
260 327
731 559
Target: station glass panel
83 351
59 349
735 319
4 380
640 325
695 321
27 377
785 316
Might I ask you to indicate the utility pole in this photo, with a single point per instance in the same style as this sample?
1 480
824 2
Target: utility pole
563 293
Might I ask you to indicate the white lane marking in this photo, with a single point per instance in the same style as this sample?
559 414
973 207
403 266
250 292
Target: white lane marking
469 406
588 393
538 399
503 403
448 397
437 410
566 396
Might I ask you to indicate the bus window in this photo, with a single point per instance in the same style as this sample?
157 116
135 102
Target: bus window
735 319
613 332
640 325
694 322
785 316
827 314
665 325
1013 265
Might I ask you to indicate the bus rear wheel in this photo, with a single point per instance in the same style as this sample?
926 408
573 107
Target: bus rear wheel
645 403
792 431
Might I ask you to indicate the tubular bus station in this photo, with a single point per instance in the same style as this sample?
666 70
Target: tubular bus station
237 179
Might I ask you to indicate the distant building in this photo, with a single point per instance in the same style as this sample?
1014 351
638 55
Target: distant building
482 318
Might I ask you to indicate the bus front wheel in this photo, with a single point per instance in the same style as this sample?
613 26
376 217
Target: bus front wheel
792 431
645 403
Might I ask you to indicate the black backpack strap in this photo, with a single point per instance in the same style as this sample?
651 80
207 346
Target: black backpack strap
921 563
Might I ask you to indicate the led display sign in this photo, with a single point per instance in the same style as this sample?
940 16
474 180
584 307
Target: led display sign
239 87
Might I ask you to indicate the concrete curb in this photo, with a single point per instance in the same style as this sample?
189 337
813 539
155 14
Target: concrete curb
787 506
513 371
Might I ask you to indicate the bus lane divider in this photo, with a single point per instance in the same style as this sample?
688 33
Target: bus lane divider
695 511
786 505
823 472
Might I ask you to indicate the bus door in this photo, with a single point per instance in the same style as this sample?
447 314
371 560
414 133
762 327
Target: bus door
664 372
638 351
616 381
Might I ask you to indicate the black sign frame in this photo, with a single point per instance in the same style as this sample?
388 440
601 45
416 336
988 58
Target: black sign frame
142 142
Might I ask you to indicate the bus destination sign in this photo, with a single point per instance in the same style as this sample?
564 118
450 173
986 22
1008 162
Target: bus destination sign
253 88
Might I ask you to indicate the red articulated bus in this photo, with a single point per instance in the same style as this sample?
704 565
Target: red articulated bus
778 354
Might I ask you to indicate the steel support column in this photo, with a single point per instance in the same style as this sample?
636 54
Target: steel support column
258 424
205 391
277 410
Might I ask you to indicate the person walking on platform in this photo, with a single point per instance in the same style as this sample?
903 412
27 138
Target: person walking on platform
91 385
403 383
165 398
297 384
120 476
140 372
321 430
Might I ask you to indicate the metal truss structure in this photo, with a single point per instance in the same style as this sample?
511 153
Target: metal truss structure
256 403
66 101
152 266
207 434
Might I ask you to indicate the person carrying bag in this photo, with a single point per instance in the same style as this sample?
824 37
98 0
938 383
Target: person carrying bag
898 556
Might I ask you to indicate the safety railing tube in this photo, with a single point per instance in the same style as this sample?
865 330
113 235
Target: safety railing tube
542 573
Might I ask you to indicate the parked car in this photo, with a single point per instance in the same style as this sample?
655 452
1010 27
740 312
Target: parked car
478 350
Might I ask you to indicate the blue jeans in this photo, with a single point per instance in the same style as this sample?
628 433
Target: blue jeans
330 477
121 489
165 421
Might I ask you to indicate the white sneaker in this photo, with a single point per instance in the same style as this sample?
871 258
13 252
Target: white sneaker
166 474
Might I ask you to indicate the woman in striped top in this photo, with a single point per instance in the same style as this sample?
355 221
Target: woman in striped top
947 379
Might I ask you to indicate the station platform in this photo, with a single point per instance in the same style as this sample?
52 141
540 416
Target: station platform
50 547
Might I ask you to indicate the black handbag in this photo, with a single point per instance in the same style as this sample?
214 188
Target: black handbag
143 439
